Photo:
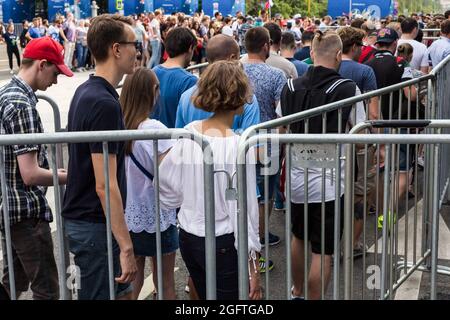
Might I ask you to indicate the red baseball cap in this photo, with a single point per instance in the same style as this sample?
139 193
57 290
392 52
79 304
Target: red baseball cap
48 49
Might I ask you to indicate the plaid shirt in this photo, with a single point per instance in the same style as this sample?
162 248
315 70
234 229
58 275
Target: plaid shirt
18 114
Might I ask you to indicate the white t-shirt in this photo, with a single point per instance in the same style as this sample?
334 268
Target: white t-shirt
315 174
182 186
140 207
227 31
155 25
420 56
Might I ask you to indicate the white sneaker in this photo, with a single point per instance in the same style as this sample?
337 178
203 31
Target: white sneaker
11 72
421 161
293 297
186 289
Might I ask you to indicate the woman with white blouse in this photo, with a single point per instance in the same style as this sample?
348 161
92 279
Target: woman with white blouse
223 89
137 100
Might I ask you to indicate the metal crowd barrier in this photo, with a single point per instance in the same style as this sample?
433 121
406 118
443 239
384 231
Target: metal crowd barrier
390 265
107 136
430 92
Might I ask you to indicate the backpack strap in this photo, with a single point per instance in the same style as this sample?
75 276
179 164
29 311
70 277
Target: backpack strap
140 167
290 84
336 84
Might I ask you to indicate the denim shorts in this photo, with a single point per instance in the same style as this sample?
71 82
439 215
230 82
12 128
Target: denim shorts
405 154
144 243
87 241
273 181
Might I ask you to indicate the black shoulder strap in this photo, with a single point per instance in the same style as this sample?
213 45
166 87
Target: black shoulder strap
143 170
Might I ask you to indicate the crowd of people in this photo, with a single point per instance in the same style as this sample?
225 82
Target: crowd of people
259 69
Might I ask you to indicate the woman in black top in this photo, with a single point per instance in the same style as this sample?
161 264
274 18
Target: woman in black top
11 40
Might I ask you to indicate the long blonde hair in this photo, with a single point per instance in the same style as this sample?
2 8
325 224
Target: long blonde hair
137 99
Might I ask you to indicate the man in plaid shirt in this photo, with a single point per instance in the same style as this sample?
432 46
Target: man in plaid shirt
27 172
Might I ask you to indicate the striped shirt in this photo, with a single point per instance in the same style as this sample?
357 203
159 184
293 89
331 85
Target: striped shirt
18 114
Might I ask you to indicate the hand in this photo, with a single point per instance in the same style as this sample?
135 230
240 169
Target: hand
255 292
128 266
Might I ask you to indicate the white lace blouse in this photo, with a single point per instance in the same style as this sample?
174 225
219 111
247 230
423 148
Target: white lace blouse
140 207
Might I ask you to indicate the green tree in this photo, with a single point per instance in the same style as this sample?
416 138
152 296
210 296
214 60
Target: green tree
288 8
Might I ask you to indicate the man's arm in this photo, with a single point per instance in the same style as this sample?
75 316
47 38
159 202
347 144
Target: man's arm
373 110
33 175
118 225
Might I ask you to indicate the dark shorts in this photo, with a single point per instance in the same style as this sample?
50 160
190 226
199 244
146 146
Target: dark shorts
87 241
315 226
33 259
405 154
144 243
406 157
192 250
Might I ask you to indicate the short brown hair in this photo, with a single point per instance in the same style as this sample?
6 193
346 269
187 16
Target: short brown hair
349 37
223 86
256 38
445 27
137 99
104 31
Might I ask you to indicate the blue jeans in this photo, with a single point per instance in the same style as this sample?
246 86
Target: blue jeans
87 241
156 53
81 55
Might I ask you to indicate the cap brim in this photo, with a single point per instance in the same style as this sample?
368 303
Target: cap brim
64 70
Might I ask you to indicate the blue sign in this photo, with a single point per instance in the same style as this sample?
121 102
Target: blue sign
58 7
18 10
169 6
225 7
62 6
130 7
368 8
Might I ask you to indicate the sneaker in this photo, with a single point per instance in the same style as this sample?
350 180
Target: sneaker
421 162
262 265
381 219
11 72
186 288
278 206
273 240
294 297
372 210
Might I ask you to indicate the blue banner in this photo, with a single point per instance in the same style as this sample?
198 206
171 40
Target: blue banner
18 10
85 8
169 6
58 7
223 6
367 8
130 7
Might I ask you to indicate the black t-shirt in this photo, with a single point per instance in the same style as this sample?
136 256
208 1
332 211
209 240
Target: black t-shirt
10 39
388 72
94 107
23 39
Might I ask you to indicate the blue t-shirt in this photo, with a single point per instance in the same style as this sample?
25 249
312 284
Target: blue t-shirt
303 53
35 33
267 83
187 113
173 82
301 66
361 74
